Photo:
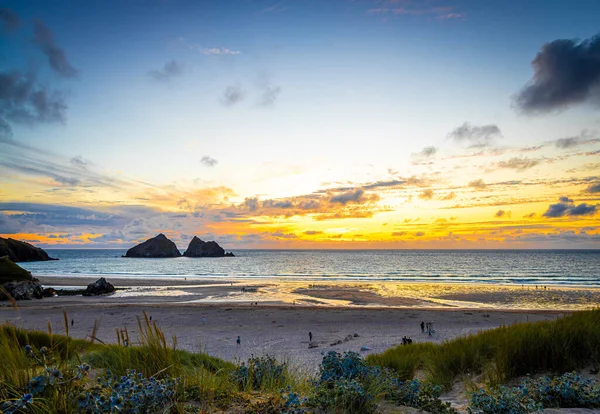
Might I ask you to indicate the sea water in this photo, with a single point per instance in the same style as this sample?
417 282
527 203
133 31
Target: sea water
517 267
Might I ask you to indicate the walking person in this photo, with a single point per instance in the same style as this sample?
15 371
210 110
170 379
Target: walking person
310 336
422 327
239 341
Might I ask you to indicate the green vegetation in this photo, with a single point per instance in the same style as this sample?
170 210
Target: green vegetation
43 372
502 354
12 272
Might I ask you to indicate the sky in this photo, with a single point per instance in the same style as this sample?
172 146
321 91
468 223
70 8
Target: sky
301 124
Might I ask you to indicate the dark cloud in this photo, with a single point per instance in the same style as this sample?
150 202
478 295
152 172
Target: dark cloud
232 95
57 58
419 234
208 161
172 69
518 163
530 215
312 232
398 233
566 207
10 20
593 189
502 213
348 196
475 136
566 72
23 101
250 203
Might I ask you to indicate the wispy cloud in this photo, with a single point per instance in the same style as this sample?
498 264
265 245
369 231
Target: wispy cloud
172 69
10 20
220 51
57 58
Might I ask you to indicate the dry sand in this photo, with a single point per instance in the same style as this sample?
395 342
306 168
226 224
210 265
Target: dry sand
275 317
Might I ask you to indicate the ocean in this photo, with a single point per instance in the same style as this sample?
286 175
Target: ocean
517 267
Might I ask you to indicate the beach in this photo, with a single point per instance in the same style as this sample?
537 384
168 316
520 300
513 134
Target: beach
275 318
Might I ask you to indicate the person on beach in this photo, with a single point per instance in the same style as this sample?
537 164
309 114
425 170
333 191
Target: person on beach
72 322
422 327
203 319
239 341
310 336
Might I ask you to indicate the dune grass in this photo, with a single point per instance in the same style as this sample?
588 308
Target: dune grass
504 353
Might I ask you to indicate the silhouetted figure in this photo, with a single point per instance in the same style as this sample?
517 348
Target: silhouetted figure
310 336
422 326
239 341
72 322
151 318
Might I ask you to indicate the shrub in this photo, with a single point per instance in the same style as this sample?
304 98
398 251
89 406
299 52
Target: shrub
566 391
260 373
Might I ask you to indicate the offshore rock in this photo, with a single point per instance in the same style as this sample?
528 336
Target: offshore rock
99 287
200 248
19 251
158 246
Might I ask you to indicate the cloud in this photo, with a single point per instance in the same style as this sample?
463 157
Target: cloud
44 39
312 232
208 161
348 196
475 136
502 213
518 163
269 95
585 137
450 196
269 92
80 162
437 12
425 153
477 184
566 72
566 207
220 51
23 101
10 20
593 188
530 215
399 233
232 95
426 195
172 69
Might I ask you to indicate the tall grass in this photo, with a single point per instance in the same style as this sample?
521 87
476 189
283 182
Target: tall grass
557 346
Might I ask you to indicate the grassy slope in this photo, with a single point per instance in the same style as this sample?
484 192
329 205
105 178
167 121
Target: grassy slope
504 353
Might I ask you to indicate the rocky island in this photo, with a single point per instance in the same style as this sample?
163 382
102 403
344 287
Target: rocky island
19 251
200 248
156 247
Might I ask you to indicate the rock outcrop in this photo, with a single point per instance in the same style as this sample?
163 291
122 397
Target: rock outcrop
200 248
158 246
17 281
19 251
99 287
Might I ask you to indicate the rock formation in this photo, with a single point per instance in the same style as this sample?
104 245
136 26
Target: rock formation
19 251
158 246
17 281
200 248
99 287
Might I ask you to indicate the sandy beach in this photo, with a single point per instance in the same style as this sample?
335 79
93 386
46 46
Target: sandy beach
275 318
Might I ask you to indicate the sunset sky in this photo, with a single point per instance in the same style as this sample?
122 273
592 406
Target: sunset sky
301 123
